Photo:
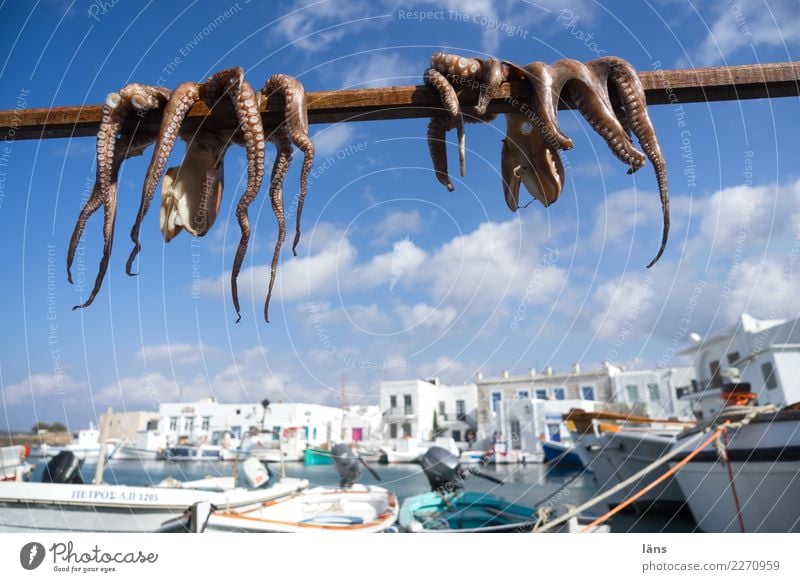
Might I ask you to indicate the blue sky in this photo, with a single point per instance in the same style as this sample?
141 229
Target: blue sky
394 277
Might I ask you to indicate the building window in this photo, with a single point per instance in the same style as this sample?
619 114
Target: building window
461 410
559 393
633 392
206 422
276 433
769 375
406 429
733 356
408 409
523 394
541 394
496 398
393 431
457 435
189 423
442 408
716 375
393 401
654 392
173 423
587 392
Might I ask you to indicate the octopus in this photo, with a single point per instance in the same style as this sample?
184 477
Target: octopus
606 91
191 193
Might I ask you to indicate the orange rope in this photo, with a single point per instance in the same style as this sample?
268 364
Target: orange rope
673 470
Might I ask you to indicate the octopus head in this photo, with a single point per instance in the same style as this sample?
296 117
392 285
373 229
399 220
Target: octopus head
191 194
528 160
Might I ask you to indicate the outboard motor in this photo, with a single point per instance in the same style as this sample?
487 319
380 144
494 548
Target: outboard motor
255 472
445 473
443 470
347 464
63 468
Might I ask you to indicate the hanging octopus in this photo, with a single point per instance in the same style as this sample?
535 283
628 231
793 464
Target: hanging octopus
192 192
607 91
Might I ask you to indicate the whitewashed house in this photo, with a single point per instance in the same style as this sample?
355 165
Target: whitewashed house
656 389
576 388
420 410
765 353
361 424
208 421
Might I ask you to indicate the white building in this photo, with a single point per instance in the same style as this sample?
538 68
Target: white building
420 410
208 421
575 385
361 423
656 389
766 354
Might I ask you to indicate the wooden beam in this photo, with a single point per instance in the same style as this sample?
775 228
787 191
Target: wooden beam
383 103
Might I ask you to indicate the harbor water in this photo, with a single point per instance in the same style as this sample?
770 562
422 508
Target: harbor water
527 484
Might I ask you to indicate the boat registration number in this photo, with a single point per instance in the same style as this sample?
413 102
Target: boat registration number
106 495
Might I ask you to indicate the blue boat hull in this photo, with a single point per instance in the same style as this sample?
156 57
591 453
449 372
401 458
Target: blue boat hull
559 454
464 512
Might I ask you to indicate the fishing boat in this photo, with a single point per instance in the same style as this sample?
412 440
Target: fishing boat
86 446
755 485
13 463
449 508
62 502
615 447
317 456
193 453
561 454
148 445
351 507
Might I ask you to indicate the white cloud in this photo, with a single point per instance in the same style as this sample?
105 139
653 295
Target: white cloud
37 386
399 222
740 25
379 69
331 139
177 353
426 316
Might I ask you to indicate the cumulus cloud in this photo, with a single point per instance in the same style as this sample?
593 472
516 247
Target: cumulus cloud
176 353
741 25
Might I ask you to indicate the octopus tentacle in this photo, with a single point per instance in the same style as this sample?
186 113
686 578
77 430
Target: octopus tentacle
283 159
450 101
296 121
180 102
631 93
246 104
109 217
109 159
545 105
437 131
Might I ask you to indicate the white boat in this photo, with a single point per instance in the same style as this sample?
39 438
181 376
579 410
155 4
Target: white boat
615 452
86 446
149 445
60 507
193 453
471 457
269 447
359 508
764 458
351 507
13 463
